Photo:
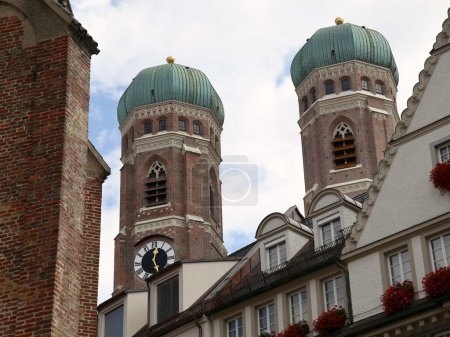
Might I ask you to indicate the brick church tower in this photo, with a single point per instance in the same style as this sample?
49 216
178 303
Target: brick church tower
345 78
170 201
50 175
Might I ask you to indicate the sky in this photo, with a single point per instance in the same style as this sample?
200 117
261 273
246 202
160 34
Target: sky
245 47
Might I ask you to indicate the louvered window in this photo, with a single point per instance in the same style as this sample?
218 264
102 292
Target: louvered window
156 185
167 301
343 147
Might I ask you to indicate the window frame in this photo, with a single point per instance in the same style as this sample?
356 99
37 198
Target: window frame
446 258
275 244
326 84
367 81
436 146
148 127
157 302
330 221
335 295
180 122
379 88
102 317
234 319
348 82
196 125
439 155
160 121
303 306
401 265
269 322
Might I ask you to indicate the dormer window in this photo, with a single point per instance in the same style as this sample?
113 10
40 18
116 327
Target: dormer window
330 230
276 254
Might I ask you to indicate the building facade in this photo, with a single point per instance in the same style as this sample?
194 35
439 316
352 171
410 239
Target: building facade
51 175
362 233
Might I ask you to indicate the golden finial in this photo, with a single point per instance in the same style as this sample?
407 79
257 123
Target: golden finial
339 20
170 59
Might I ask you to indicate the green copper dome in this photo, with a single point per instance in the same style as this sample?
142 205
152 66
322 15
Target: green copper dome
170 82
341 43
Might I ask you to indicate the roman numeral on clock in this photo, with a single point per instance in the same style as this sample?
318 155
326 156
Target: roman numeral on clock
170 258
137 264
139 271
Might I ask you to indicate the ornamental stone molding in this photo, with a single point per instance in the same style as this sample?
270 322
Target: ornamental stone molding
346 69
443 38
352 186
151 224
159 109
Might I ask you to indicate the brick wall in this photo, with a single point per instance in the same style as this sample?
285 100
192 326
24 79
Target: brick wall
44 97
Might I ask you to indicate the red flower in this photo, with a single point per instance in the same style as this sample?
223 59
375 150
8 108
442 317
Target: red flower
397 297
299 329
437 283
330 321
440 176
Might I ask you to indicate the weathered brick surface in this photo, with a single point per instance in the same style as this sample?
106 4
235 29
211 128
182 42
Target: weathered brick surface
188 193
44 95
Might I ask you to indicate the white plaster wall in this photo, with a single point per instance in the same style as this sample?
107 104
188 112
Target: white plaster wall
407 197
199 277
435 100
192 332
326 200
366 286
136 312
272 224
294 242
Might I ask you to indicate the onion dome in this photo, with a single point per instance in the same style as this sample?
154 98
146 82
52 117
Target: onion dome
170 82
340 43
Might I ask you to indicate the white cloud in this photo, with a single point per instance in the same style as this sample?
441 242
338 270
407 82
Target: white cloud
243 47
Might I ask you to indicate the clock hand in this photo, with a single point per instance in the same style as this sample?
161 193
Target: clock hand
155 252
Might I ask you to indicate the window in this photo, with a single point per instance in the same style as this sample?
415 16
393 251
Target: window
330 231
114 322
266 318
334 292
343 147
234 327
379 87
329 87
276 254
196 129
399 267
298 306
313 95
345 82
444 153
182 125
162 125
147 128
305 103
440 251
156 185
365 84
167 299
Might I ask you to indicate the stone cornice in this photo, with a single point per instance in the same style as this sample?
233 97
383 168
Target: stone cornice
168 139
162 108
346 69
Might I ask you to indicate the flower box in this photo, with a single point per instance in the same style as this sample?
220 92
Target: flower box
330 321
440 176
300 329
397 297
437 283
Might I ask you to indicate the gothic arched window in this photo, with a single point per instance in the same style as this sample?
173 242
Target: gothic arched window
156 185
343 147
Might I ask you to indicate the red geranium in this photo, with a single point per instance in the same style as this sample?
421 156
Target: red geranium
440 176
330 321
437 283
300 329
397 297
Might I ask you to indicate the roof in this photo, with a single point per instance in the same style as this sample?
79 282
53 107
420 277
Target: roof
170 82
305 261
341 43
66 5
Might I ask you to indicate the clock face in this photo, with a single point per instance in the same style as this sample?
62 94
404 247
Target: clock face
153 257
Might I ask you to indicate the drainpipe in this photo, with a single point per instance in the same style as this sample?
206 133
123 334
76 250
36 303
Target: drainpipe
347 289
148 305
199 326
